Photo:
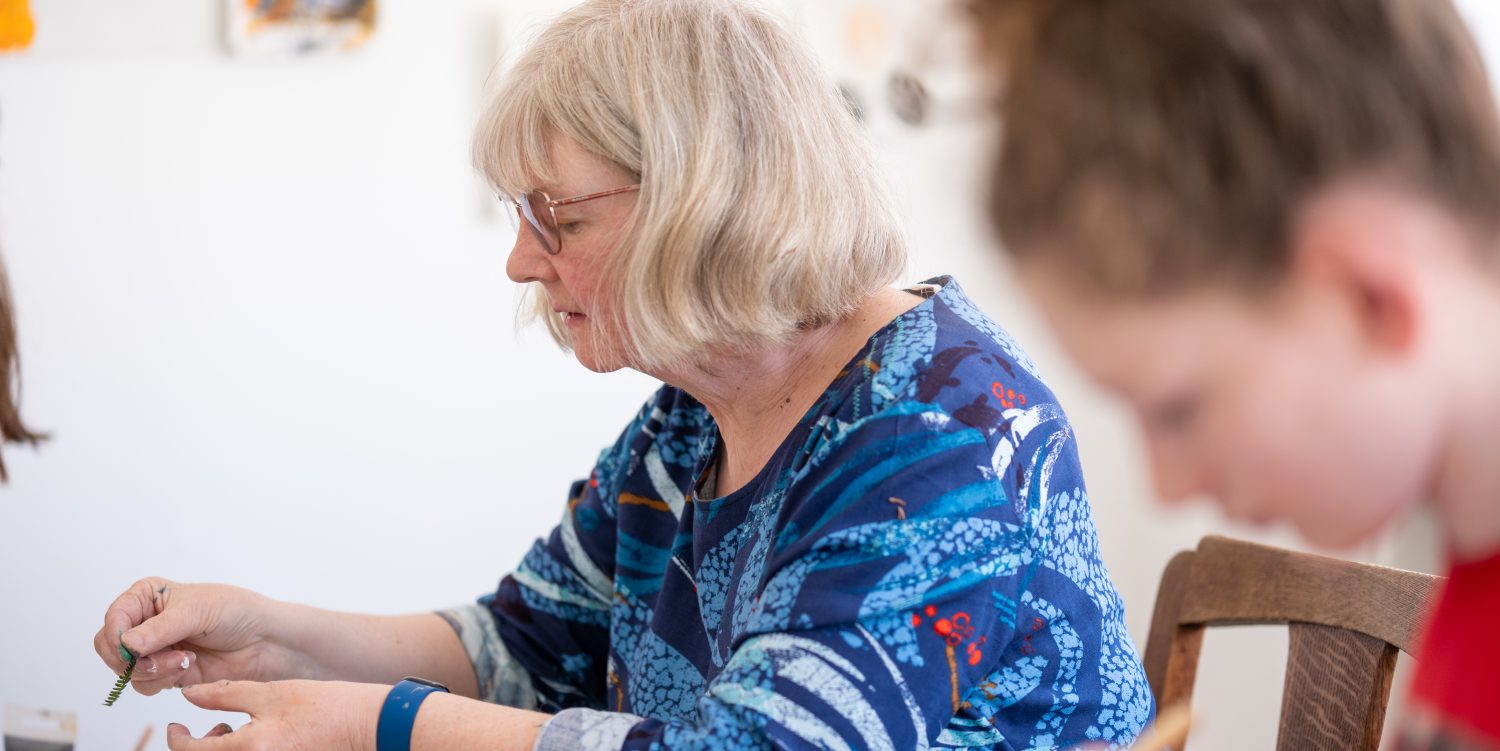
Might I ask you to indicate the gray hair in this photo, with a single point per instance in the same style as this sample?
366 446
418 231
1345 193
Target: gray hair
761 211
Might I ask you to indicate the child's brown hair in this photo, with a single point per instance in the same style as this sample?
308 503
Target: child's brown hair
12 429
1152 145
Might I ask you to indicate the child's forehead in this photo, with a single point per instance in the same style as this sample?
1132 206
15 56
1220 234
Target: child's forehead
1121 340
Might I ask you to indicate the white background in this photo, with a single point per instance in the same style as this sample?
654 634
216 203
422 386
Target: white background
263 310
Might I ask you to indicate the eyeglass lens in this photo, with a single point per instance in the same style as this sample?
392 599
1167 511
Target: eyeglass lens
533 207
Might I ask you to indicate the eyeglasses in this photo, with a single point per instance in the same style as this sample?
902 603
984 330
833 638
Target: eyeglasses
544 223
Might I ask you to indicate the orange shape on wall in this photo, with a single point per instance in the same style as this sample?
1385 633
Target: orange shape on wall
16 26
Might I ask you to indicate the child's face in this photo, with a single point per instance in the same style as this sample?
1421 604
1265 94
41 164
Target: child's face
1278 407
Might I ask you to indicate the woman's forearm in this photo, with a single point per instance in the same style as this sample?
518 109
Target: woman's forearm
453 723
328 645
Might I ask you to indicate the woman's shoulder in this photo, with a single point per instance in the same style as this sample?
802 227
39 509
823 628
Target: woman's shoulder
950 415
948 354
964 319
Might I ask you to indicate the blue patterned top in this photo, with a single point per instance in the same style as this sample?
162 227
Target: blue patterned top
916 566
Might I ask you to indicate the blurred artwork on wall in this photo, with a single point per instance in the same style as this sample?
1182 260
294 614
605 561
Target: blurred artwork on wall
16 25
30 729
898 62
294 28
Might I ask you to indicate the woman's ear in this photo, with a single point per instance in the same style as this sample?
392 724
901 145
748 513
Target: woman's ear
1369 246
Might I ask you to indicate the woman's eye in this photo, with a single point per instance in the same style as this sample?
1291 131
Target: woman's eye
569 228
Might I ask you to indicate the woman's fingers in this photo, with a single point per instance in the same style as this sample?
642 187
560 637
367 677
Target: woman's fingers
165 626
220 738
140 621
228 696
134 606
108 649
163 670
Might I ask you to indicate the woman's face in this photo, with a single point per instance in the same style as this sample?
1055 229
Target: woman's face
591 231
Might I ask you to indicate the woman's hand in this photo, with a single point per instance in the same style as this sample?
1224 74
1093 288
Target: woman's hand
286 715
184 634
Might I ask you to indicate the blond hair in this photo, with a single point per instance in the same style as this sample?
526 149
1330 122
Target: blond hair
760 212
1154 145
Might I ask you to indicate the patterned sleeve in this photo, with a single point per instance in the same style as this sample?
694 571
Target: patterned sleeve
928 583
541 640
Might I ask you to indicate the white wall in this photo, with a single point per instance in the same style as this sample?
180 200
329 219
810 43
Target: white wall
264 311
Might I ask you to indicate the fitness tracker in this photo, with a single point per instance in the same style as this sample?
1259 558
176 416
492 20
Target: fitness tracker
399 713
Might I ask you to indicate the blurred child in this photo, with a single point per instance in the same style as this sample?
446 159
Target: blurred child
1273 228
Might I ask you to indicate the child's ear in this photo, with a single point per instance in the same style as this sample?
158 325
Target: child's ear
1367 246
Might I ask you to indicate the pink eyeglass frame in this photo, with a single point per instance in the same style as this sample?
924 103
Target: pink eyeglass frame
525 209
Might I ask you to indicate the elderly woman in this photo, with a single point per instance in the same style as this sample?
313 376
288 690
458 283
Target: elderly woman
853 518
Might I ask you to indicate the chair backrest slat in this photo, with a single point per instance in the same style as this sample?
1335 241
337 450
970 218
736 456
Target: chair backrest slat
1337 685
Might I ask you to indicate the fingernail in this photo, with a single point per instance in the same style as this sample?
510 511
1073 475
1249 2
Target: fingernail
187 658
151 665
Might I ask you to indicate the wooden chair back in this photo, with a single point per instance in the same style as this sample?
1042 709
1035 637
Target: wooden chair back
1346 621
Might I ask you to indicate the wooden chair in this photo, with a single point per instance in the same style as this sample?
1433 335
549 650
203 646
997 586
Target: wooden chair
1346 621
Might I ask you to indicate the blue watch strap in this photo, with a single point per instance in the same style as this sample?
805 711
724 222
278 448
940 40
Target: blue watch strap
399 713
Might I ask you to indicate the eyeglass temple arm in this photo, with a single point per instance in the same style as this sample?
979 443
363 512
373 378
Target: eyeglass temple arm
592 196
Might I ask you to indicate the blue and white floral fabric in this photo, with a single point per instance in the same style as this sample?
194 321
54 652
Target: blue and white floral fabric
915 567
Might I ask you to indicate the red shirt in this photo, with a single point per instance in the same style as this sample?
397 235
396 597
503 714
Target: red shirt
1456 690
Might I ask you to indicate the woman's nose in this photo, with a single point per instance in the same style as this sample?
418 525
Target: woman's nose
528 260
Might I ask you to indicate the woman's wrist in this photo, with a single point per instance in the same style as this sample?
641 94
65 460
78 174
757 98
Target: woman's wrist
454 722
297 637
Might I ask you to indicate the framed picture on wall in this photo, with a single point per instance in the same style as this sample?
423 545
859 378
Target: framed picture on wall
292 28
